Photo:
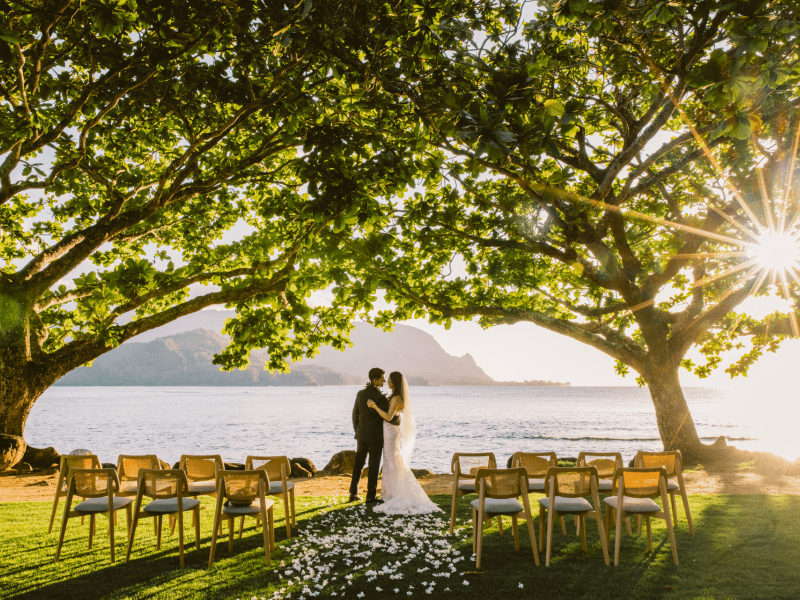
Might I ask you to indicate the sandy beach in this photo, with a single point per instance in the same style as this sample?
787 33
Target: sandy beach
39 486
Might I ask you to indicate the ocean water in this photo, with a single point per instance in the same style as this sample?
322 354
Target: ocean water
315 422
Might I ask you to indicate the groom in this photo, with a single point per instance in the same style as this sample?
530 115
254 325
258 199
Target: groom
368 425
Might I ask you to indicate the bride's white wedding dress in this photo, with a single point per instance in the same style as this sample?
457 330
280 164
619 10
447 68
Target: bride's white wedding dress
401 492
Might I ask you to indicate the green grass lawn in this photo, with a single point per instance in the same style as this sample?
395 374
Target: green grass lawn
744 547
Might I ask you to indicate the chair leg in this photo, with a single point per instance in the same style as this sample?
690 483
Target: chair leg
230 535
649 535
271 518
55 508
267 544
61 537
603 540
639 525
628 525
128 519
287 515
241 526
673 545
618 538
453 503
686 509
475 530
480 542
291 504
532 535
563 526
159 523
541 528
550 517
499 525
180 535
91 530
674 511
131 534
112 518
196 514
216 528
516 533
582 524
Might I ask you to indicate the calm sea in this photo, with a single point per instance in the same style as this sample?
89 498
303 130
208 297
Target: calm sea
315 422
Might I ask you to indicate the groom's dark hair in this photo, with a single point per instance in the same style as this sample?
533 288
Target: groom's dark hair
375 373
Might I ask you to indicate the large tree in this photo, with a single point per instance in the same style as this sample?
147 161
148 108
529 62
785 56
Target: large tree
619 172
146 148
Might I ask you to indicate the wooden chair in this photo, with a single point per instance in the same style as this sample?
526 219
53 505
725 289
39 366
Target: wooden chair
278 469
168 490
673 464
536 464
606 464
128 466
245 493
201 474
465 465
633 490
566 488
498 490
99 488
66 464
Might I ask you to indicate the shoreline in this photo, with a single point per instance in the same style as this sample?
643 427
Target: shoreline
40 486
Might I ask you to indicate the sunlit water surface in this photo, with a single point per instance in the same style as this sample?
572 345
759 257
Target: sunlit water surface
315 422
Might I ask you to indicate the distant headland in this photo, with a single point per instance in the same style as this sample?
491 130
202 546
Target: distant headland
181 356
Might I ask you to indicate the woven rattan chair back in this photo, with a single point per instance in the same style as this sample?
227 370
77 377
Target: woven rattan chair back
571 482
128 465
535 463
606 463
466 464
161 484
242 487
272 465
501 483
639 482
93 483
66 464
201 467
670 460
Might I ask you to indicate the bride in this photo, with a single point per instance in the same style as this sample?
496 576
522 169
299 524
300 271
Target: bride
401 493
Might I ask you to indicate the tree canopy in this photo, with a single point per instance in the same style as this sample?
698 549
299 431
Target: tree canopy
149 147
609 171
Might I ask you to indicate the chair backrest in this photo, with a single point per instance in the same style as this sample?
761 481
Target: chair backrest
501 483
201 467
669 459
163 483
639 482
242 487
536 463
465 465
571 482
128 465
79 461
93 483
276 467
605 462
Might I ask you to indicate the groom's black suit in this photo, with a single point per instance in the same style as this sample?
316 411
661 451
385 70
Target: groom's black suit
368 425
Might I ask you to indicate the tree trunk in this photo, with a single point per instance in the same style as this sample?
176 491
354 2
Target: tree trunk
675 423
19 390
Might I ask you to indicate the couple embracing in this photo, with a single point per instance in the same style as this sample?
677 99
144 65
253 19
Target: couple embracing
387 425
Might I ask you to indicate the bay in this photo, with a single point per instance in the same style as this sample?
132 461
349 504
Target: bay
315 422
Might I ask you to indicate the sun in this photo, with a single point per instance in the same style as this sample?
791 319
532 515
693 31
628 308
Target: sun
777 251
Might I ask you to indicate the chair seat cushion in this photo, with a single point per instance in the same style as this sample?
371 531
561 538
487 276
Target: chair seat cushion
535 485
128 487
567 505
605 485
634 505
276 487
202 487
170 505
98 505
466 486
253 509
497 506
672 485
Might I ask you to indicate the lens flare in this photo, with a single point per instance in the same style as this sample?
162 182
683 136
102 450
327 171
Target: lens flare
777 251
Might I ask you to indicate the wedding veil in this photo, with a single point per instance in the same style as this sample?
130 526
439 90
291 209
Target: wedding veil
408 426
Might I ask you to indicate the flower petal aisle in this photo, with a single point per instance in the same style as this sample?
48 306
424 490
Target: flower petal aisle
346 551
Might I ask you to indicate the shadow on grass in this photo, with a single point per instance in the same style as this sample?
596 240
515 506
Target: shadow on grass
744 547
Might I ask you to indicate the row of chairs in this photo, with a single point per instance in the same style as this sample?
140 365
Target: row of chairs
172 492
630 493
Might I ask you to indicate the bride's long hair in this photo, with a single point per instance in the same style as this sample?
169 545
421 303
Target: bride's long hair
408 424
